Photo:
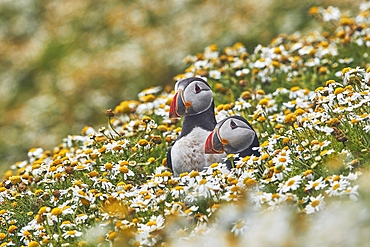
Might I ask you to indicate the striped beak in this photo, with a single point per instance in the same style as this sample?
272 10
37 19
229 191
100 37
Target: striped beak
178 108
214 144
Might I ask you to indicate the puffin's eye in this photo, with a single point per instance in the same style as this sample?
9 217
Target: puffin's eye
233 125
197 88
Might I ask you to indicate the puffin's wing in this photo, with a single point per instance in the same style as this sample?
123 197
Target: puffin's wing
169 160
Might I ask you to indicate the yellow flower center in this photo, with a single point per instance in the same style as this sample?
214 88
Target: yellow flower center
203 181
239 225
264 101
293 89
315 203
291 182
329 82
151 223
282 159
336 186
179 188
56 211
260 92
108 166
246 158
215 165
345 70
123 169
12 228
194 174
143 142
73 232
319 89
183 174
166 174
33 244
339 90
265 156
261 119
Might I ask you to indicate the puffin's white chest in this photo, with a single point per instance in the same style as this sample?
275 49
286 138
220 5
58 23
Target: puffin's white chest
187 154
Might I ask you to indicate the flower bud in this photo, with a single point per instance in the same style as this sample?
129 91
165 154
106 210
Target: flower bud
109 113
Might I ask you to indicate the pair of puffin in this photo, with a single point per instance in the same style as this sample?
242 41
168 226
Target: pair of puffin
203 141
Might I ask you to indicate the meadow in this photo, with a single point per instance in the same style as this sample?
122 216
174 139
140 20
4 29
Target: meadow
307 96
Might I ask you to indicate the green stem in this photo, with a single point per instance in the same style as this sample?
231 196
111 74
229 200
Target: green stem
46 226
304 164
298 138
268 122
111 126
58 225
97 143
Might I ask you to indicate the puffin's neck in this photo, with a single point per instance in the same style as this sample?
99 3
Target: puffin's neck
205 120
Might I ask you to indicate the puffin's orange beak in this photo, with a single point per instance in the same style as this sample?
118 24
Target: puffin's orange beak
178 108
214 144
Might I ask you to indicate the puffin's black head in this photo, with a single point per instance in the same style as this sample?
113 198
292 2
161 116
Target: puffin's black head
193 96
231 135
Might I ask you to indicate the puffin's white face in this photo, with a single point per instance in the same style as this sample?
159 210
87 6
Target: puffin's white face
231 135
192 97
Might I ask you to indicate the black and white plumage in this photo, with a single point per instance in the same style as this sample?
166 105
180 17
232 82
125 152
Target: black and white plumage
233 135
194 101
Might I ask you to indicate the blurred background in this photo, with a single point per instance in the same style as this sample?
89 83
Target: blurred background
63 62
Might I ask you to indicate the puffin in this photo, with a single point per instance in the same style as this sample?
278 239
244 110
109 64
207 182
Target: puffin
233 135
193 100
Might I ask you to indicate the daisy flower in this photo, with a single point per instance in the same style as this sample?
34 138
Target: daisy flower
282 159
315 204
317 184
293 183
331 13
72 234
337 187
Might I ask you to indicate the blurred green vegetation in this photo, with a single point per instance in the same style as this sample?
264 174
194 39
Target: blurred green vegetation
63 62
